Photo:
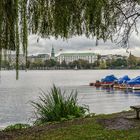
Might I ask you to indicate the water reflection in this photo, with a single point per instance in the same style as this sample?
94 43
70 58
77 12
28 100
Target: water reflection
123 91
135 92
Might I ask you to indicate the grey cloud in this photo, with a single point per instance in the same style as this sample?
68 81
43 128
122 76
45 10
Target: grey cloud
81 43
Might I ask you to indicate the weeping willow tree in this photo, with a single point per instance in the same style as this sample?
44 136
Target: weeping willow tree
97 18
65 18
13 28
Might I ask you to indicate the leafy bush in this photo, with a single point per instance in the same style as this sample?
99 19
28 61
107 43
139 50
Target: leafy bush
57 106
16 126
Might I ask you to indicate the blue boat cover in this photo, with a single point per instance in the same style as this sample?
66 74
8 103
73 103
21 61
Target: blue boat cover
135 81
123 79
109 78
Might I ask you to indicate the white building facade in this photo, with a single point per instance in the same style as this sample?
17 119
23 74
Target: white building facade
70 57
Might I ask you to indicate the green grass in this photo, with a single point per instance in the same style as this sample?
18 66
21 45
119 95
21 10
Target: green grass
16 127
90 130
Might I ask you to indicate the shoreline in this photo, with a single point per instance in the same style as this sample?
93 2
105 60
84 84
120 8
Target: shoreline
31 123
65 69
101 123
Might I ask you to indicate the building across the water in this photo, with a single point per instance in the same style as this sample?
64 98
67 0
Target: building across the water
70 57
40 57
12 59
111 56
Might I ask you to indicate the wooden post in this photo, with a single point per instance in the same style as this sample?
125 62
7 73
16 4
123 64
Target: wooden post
137 109
137 112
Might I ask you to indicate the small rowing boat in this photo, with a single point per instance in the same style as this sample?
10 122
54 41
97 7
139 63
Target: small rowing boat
96 84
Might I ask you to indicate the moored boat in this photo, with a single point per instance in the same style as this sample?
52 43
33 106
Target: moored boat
121 82
116 86
108 81
123 86
134 84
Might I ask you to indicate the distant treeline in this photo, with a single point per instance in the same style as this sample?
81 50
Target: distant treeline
121 63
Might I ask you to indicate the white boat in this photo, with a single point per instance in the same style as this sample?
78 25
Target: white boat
76 68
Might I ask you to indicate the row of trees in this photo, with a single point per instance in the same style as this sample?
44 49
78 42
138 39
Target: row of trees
120 63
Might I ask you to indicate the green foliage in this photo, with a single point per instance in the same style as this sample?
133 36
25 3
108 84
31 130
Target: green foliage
37 63
57 106
5 64
132 61
72 17
117 63
80 64
51 63
13 27
102 64
16 126
64 64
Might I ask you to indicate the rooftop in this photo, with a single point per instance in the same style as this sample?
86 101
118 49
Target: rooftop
77 54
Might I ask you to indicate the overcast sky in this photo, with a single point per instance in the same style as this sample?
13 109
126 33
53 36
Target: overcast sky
81 43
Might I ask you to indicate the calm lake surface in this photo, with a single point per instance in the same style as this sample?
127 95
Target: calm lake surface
15 95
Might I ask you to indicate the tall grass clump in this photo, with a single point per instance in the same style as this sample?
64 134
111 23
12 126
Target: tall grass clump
57 106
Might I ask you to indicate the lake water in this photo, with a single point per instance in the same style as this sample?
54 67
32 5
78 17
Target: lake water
15 95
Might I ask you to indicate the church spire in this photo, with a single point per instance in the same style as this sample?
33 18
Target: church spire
52 53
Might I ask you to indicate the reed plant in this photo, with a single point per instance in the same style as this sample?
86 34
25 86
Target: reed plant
57 106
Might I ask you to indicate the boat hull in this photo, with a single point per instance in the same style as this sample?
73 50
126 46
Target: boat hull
136 88
116 86
107 84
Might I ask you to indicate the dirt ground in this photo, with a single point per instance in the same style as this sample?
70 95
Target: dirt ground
119 121
122 121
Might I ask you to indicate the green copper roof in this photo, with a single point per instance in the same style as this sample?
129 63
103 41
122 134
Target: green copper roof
77 54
